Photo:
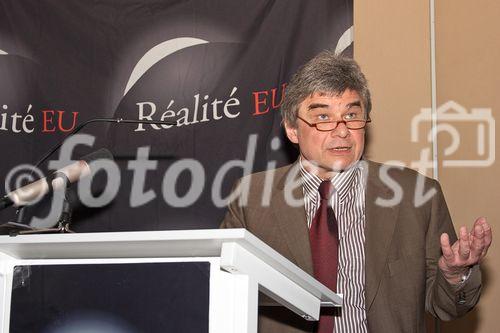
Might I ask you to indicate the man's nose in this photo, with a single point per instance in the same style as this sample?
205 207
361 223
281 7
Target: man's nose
341 130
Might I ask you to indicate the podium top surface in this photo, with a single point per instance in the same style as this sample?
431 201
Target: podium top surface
137 244
155 244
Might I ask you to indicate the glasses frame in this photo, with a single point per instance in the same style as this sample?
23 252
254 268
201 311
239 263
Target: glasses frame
336 122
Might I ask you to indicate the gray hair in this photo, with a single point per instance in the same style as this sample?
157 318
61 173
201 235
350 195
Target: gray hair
325 73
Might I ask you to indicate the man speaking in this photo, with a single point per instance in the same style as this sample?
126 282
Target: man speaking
342 219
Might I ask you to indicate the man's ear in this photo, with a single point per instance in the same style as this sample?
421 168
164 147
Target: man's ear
291 133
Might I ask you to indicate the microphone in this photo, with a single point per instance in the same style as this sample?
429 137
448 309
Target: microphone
69 174
41 187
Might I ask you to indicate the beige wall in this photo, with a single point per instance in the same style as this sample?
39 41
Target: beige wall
392 44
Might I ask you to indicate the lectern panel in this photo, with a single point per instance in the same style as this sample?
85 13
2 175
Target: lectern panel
114 298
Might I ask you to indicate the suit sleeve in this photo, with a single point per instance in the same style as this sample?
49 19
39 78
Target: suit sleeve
235 217
444 300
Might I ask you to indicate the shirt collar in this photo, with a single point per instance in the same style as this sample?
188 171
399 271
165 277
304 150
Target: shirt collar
342 181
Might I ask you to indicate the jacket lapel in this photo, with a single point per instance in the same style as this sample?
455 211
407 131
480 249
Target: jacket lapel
379 229
292 221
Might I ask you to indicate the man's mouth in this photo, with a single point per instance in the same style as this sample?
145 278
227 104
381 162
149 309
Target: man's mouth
340 148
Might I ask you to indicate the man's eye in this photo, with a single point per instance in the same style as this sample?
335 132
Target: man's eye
352 115
323 117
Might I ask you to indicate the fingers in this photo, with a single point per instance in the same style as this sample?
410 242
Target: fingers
480 221
470 248
477 244
488 235
446 247
486 232
464 245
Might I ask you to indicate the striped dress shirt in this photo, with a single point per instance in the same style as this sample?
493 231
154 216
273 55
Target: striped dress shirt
348 203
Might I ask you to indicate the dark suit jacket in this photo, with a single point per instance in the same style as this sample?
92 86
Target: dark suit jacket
402 249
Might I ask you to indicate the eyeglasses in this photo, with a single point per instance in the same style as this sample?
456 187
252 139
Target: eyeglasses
327 126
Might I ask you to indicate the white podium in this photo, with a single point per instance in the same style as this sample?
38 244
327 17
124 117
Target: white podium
240 266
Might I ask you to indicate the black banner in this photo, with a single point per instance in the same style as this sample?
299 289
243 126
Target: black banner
216 67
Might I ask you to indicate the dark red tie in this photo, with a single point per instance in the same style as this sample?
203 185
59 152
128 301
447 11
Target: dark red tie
324 247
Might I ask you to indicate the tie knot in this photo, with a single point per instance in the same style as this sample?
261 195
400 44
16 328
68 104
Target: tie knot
325 189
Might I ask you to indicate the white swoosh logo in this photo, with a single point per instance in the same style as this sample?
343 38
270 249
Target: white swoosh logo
156 54
345 40
2 52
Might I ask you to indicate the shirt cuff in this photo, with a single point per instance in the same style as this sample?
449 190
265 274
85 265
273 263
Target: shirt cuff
465 277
